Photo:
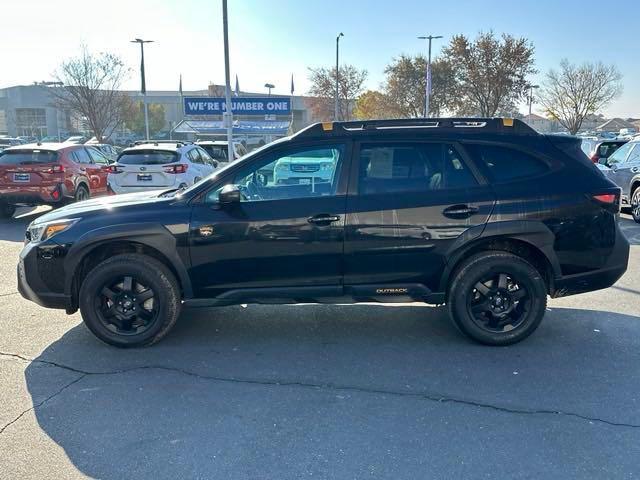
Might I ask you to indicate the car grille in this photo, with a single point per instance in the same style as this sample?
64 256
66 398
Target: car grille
305 167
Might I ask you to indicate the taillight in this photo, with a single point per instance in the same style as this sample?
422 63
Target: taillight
55 169
114 169
606 197
609 198
595 158
179 168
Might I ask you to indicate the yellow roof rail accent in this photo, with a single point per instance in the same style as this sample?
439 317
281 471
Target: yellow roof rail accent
327 126
507 122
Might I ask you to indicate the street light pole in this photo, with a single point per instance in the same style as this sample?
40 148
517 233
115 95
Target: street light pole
427 90
143 87
336 112
228 113
531 87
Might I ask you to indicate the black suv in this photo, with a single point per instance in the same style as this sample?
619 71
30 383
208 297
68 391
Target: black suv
484 215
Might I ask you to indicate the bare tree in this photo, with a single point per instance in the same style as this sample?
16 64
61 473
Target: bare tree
576 91
322 91
490 72
92 90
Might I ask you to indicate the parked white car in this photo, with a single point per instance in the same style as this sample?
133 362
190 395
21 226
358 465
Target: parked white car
219 149
159 165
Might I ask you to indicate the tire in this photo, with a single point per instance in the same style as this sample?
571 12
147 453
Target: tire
82 193
6 210
104 298
497 298
635 205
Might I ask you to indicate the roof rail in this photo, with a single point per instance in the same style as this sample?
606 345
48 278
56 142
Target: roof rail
178 143
469 124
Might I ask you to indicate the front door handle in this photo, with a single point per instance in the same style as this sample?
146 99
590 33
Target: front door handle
323 219
460 211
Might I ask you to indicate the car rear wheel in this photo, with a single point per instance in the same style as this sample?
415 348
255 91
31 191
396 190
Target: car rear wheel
6 210
130 300
81 194
635 205
497 298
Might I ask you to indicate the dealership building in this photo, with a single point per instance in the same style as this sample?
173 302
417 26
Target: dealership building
29 110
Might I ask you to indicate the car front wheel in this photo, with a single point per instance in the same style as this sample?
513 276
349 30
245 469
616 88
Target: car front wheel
130 300
497 298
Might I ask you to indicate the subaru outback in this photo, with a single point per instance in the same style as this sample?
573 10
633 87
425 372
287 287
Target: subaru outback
484 215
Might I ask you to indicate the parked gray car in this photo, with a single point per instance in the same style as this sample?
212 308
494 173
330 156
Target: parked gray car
625 172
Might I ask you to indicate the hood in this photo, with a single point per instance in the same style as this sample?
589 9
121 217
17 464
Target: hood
103 204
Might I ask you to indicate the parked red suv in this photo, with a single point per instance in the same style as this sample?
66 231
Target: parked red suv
50 173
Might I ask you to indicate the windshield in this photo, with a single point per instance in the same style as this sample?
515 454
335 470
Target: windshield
25 157
147 157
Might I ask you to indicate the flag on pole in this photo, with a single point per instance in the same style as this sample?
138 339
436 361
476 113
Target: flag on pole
180 86
293 89
237 92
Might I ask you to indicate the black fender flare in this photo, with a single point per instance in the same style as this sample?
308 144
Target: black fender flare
534 233
152 235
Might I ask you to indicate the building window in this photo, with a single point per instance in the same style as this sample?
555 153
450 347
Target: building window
3 123
31 122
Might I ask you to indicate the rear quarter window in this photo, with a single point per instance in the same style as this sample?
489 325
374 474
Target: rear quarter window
503 164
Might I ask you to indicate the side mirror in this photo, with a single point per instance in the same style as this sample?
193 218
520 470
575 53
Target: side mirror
229 194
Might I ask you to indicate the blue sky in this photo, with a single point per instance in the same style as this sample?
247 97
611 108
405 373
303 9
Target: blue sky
270 40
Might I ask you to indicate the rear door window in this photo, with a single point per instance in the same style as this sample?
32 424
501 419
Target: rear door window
97 156
27 157
194 156
80 155
503 164
386 168
147 157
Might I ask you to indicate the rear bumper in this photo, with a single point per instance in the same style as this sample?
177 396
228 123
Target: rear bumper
596 279
50 194
117 189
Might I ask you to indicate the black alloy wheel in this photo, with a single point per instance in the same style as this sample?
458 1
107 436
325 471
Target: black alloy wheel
499 303
127 306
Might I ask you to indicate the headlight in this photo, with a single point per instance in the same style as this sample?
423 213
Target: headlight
46 230
326 166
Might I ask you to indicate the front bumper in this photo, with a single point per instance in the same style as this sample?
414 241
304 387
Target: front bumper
41 277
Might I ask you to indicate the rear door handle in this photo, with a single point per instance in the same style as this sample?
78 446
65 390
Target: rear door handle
460 211
635 169
323 219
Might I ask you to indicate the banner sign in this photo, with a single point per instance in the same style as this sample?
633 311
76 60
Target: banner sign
239 106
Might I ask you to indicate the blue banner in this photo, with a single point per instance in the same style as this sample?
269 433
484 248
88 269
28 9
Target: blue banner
239 106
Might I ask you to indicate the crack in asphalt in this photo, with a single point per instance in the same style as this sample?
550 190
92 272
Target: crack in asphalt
433 397
33 407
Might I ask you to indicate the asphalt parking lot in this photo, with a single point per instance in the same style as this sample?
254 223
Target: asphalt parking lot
366 391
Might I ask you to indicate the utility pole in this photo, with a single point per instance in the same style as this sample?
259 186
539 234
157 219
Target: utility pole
337 107
427 90
228 114
143 87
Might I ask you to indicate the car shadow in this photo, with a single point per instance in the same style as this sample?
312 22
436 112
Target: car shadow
12 229
630 228
274 392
